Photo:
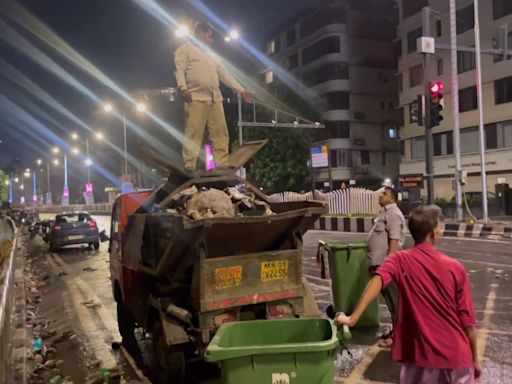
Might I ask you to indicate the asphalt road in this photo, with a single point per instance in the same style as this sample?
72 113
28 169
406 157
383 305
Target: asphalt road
489 265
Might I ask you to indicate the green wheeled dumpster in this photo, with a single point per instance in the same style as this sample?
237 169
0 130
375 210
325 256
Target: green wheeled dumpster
298 351
348 267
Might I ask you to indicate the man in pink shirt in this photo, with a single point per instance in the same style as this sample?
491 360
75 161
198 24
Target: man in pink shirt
435 335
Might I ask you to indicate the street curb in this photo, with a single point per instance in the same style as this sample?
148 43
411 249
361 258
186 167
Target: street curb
464 230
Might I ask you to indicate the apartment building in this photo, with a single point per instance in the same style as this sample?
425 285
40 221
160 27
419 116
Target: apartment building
344 53
495 22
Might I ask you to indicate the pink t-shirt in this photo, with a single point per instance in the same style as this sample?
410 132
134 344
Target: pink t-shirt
434 307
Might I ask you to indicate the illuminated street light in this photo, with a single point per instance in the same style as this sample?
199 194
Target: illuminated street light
55 150
16 179
55 161
74 136
27 170
234 34
88 162
22 187
108 107
182 31
27 173
39 162
75 151
7 182
227 39
141 107
99 135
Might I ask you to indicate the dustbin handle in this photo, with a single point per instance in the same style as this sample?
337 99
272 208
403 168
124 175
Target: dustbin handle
345 330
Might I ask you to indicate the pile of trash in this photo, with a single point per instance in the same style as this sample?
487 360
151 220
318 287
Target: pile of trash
207 203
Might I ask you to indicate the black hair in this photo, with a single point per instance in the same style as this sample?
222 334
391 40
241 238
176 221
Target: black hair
392 192
203 27
423 220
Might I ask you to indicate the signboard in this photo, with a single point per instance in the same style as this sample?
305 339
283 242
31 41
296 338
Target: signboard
320 156
411 181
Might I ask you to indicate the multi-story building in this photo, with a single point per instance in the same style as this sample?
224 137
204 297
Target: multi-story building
495 20
344 53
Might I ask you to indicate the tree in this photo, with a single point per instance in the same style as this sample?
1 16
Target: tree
282 164
4 189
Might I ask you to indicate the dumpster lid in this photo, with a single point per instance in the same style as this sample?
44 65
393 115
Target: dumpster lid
237 160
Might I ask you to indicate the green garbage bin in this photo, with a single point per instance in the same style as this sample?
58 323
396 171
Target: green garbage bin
297 351
348 267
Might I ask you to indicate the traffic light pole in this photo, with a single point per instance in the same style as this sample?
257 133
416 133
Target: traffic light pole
429 155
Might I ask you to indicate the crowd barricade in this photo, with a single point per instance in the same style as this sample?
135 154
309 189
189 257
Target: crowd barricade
347 201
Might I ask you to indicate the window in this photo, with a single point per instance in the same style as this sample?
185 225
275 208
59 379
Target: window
338 100
321 48
398 48
440 68
290 37
503 90
469 141
365 157
443 143
506 128
491 136
415 75
392 133
412 38
439 28
326 72
467 99
340 158
269 77
338 129
466 61
402 148
330 15
400 82
401 112
465 19
501 8
497 43
293 61
272 46
412 7
418 148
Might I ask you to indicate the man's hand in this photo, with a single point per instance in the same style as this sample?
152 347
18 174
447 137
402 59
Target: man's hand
247 96
186 95
348 320
478 369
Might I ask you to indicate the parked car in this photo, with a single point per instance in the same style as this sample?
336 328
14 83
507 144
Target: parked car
71 228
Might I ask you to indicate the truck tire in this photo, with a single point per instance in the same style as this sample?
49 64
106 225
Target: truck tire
168 362
126 327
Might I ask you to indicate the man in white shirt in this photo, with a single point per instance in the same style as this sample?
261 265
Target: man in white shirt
198 74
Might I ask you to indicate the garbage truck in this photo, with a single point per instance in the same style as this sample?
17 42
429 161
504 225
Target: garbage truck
202 250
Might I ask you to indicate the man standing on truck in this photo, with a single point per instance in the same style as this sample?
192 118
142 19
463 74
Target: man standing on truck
387 236
198 74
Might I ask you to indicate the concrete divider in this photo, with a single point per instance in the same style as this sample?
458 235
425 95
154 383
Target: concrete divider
7 248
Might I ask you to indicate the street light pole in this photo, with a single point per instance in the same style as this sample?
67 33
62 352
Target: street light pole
48 196
480 113
125 145
88 162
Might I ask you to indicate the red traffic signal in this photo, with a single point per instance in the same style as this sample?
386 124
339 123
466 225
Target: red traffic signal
436 87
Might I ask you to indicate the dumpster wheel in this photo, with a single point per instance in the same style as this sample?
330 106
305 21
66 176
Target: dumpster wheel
168 362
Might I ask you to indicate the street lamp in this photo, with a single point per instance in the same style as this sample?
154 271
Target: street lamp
39 162
55 150
99 135
141 107
182 31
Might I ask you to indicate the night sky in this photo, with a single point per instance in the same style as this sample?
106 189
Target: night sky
129 45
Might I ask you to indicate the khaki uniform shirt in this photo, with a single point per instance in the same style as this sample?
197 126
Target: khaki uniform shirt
199 72
388 225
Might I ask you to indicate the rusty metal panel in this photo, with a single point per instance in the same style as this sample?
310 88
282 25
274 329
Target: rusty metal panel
251 278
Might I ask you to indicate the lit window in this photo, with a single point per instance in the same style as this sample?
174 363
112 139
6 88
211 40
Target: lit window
269 77
271 47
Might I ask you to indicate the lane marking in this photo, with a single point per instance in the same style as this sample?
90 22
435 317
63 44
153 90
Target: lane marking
486 322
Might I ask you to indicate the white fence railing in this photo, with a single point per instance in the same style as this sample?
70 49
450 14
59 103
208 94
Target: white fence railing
349 201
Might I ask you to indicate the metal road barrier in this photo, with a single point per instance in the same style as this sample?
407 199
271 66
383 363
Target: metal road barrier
7 248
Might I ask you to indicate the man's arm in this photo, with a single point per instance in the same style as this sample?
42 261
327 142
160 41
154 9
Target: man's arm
180 62
394 246
473 337
371 291
231 82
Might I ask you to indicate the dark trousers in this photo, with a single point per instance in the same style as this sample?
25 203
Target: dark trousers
390 294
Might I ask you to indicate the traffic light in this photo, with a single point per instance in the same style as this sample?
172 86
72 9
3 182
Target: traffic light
436 103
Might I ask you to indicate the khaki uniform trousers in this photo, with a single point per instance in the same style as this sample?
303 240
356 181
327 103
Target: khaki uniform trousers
199 114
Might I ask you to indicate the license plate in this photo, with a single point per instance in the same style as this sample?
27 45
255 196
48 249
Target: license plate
274 270
228 277
75 237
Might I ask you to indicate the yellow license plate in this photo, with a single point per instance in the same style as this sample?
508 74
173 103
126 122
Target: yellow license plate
228 277
274 270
